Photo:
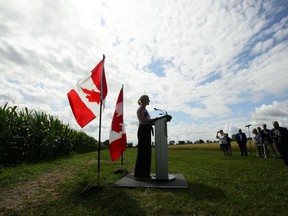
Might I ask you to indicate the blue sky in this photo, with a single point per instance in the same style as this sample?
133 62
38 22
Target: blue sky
210 64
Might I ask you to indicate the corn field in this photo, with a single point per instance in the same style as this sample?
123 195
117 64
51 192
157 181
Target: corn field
30 136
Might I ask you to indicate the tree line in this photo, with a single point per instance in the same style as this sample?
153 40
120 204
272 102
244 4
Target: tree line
182 142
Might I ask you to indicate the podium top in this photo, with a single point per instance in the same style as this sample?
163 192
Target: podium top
167 117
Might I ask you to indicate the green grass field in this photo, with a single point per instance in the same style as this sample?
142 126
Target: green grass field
217 186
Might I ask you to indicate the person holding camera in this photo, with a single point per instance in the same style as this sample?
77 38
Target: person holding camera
280 138
224 146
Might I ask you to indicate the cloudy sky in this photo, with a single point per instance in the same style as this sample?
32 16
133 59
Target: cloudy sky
210 64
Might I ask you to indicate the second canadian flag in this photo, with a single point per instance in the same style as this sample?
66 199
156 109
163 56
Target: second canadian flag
117 138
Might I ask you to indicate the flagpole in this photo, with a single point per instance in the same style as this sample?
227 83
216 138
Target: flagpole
100 118
99 142
122 154
121 169
122 125
100 123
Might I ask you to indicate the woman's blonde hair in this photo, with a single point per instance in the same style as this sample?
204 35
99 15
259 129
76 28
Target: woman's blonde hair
143 97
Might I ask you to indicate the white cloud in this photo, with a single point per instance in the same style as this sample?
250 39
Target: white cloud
266 114
212 76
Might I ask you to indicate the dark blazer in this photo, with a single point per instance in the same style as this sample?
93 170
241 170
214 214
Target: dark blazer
244 138
266 136
280 135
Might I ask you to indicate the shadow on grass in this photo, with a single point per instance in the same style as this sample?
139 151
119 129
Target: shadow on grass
109 201
204 192
115 201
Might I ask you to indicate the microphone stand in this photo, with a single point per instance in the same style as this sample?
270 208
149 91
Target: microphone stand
162 112
250 143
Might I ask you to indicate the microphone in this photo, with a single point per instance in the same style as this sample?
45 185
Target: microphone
248 125
163 112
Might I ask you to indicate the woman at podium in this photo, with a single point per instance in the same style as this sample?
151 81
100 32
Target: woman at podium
143 162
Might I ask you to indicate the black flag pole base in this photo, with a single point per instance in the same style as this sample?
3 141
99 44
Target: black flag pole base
91 187
120 170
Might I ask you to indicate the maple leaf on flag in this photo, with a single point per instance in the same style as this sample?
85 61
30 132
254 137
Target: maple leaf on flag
92 96
117 122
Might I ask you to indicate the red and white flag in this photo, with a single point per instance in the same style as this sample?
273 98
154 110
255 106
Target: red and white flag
89 92
117 138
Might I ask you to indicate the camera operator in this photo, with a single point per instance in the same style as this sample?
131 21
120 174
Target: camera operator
224 146
280 138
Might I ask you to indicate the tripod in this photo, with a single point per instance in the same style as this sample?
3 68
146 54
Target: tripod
250 143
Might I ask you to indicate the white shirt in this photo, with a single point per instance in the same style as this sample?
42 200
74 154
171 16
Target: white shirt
222 139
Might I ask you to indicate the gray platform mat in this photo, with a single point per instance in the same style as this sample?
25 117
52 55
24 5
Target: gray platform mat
130 182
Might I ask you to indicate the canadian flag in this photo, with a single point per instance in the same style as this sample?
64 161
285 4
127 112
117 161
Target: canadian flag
87 95
117 138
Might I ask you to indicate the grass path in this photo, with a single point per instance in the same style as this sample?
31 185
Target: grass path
33 192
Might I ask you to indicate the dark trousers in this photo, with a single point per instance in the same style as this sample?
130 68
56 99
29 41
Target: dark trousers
143 162
283 150
243 148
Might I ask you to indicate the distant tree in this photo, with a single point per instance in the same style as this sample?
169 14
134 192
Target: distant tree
172 142
201 141
106 143
182 142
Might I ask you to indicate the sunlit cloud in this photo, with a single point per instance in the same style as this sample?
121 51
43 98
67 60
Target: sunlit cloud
214 65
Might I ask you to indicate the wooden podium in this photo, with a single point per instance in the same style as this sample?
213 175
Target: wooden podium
161 149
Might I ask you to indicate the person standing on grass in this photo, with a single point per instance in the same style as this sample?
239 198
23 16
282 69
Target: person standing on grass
143 161
257 140
229 140
241 140
280 137
265 152
267 141
224 146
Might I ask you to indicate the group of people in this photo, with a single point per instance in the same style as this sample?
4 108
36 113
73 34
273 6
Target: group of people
265 140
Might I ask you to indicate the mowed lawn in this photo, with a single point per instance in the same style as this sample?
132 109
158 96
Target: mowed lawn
217 186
